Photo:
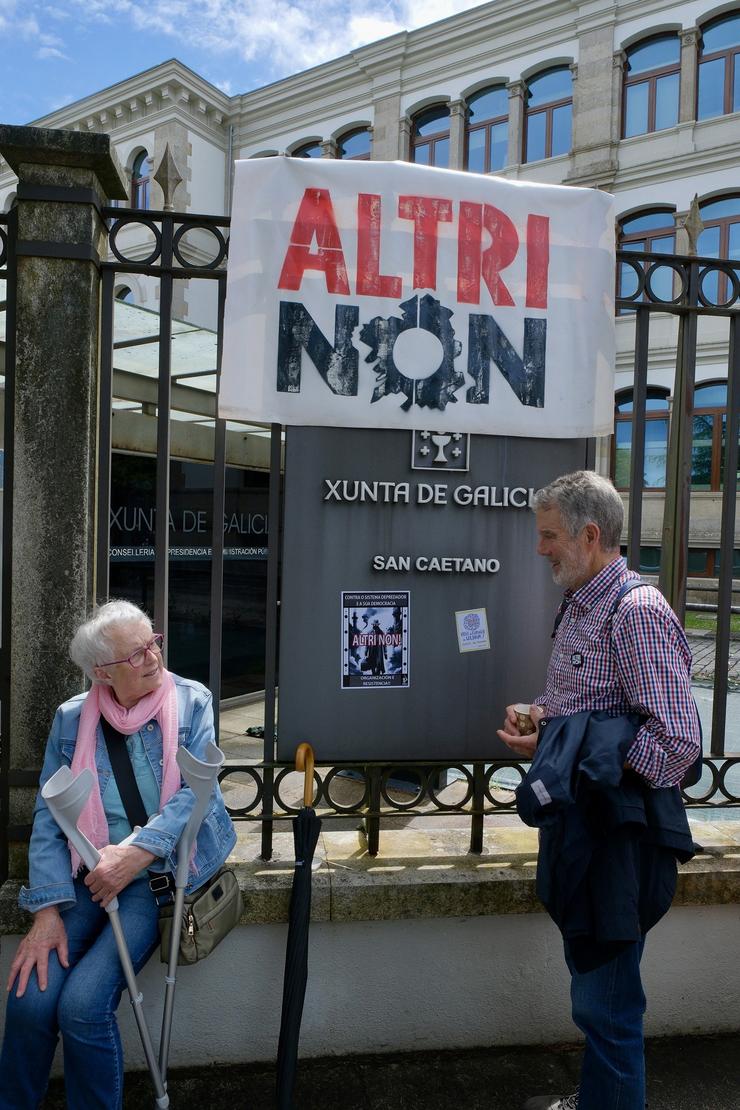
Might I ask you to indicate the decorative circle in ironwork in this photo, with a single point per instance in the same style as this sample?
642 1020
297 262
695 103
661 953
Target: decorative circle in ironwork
728 766
488 787
732 279
280 781
360 779
130 222
677 269
695 799
395 773
241 811
177 249
640 277
3 247
433 791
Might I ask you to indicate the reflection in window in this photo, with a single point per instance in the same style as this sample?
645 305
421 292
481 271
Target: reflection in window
354 145
549 112
140 181
308 150
719 239
652 232
651 79
430 137
656 438
487 133
709 448
719 68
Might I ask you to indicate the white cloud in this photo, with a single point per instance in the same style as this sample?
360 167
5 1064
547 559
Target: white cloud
50 52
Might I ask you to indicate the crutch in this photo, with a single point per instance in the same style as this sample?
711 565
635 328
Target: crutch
65 794
200 775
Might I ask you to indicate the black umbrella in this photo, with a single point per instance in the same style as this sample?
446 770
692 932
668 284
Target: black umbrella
306 829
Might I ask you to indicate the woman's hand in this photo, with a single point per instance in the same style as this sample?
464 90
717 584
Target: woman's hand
47 934
509 733
117 866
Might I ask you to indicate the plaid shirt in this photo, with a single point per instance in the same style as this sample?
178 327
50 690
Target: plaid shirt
637 659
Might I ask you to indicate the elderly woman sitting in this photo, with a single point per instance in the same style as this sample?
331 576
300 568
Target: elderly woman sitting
66 973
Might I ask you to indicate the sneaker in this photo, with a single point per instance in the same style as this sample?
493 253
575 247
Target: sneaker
550 1102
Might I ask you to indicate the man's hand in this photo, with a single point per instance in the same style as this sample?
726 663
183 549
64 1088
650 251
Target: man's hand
117 867
523 745
47 934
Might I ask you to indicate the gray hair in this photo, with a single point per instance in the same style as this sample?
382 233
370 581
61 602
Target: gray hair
582 498
91 644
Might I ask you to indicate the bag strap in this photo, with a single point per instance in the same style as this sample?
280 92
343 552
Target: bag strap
123 773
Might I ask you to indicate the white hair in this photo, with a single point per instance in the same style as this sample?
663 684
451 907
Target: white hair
91 644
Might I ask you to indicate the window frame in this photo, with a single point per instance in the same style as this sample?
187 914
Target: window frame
488 124
659 392
651 78
731 54
418 141
350 135
723 223
548 108
310 144
142 182
646 237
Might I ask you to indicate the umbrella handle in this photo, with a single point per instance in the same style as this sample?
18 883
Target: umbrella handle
304 761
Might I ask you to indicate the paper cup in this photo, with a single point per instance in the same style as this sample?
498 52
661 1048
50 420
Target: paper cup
524 722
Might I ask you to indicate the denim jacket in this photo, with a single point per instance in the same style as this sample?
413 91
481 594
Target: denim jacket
49 862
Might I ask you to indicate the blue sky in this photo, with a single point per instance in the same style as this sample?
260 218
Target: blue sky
57 52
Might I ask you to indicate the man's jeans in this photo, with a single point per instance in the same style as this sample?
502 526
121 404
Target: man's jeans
80 1002
608 1007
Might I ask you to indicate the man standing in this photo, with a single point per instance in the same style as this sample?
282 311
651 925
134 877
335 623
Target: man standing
618 655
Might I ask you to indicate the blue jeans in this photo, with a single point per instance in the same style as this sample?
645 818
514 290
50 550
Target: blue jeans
608 1007
79 1002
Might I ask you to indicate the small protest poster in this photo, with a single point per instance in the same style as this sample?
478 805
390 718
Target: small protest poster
375 639
472 630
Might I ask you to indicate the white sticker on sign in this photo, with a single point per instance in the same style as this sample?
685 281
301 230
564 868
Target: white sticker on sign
472 630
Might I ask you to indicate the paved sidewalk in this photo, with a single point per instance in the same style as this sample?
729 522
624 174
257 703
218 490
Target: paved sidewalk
691 1073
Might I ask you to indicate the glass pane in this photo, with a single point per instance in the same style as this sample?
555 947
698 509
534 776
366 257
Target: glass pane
657 400
636 109
310 150
649 560
720 35
654 54
441 155
711 89
736 85
666 101
627 281
488 104
712 396
553 85
355 146
433 121
499 145
697 561
701 453
622 453
661 282
723 457
623 401
536 136
420 154
477 150
561 129
647 221
656 450
708 245
716 209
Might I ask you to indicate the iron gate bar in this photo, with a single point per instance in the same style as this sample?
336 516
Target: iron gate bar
105 430
161 520
217 530
272 616
637 459
9 234
727 544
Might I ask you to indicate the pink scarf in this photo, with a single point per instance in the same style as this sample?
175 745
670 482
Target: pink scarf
161 705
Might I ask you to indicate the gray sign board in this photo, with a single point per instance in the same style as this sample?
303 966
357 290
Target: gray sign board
405 555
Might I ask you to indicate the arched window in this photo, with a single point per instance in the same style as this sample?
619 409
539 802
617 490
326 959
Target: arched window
430 137
140 181
656 438
719 239
308 150
718 91
124 293
487 132
354 145
651 79
709 445
549 114
652 231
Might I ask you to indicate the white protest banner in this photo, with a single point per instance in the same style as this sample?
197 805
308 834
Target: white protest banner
390 295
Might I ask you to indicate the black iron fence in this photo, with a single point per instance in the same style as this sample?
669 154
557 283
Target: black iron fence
193 248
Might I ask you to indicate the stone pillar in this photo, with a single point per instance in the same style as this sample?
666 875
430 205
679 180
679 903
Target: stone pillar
515 153
596 110
387 111
404 139
618 60
63 176
689 74
329 149
458 116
